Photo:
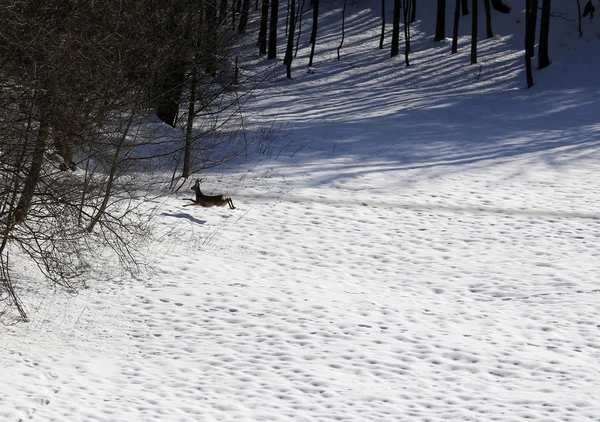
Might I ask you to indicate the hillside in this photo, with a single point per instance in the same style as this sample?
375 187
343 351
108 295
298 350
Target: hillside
410 244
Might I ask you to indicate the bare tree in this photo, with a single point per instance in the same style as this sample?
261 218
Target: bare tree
273 30
413 11
531 9
530 24
474 32
77 83
543 58
301 15
262 34
455 27
407 12
243 23
61 96
236 9
396 29
488 19
222 11
289 51
212 39
343 29
313 33
189 127
579 19
440 21
287 18
117 155
173 79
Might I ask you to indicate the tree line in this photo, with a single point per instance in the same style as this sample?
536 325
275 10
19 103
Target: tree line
404 14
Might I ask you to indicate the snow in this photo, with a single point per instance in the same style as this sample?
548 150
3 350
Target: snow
417 246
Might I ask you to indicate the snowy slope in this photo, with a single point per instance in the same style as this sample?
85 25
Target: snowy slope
415 245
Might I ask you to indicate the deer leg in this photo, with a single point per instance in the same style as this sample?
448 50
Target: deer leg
230 202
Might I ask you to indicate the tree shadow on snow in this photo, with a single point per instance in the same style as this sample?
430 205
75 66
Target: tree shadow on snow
368 113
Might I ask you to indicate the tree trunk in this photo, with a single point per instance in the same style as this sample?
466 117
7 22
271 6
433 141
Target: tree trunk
465 7
407 4
301 14
262 34
63 142
33 175
243 24
579 18
455 27
396 29
474 32
84 192
543 59
222 11
211 36
273 30
313 34
289 51
413 11
170 93
5 280
233 13
488 19
189 128
440 21
343 29
382 37
529 39
287 18
531 9
236 10
112 174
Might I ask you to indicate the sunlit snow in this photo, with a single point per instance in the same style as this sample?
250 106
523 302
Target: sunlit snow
417 244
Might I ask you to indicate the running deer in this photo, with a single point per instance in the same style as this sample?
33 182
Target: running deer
209 200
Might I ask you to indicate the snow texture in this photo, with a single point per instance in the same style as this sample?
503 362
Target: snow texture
424 247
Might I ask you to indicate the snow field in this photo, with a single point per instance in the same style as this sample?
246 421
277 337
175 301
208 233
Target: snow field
413 254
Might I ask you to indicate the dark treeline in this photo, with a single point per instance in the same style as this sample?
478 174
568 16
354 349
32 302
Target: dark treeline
404 13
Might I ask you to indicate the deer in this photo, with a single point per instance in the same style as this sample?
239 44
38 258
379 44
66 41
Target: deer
208 200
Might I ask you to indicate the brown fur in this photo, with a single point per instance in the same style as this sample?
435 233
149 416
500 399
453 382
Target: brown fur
209 200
